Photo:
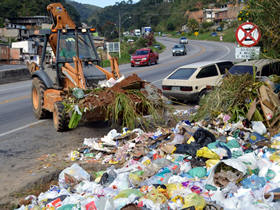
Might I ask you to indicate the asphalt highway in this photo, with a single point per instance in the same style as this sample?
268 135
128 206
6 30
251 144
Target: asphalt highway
24 138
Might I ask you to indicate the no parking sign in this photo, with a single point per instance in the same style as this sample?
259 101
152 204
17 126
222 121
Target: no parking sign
248 34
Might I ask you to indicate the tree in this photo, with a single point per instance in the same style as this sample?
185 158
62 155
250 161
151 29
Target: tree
192 25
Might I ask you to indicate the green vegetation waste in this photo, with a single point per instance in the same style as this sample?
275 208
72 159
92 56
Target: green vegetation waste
232 97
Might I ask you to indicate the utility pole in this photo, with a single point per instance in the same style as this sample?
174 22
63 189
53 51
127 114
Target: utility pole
119 33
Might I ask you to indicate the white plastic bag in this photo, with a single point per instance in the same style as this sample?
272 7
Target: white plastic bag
75 171
259 127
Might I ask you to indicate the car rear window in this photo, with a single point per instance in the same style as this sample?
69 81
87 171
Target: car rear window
182 73
242 69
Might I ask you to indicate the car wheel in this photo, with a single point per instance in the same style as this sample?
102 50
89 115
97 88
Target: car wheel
156 61
149 63
132 65
201 94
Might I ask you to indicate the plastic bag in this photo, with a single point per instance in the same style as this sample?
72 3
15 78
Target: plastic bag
121 182
211 162
198 172
135 178
76 172
259 127
275 157
254 182
108 177
195 200
126 193
203 137
207 153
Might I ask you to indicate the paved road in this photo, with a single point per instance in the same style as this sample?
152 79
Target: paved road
23 138
4 67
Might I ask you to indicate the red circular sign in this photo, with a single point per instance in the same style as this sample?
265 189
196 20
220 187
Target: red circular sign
248 34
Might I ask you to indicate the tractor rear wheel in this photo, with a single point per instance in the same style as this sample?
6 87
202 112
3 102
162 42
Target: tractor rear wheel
60 117
37 97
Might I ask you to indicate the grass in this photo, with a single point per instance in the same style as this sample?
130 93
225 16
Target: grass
228 35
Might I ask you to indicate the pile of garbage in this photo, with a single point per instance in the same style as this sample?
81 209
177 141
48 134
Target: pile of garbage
208 164
124 101
244 96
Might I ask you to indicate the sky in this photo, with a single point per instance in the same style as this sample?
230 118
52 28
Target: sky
100 3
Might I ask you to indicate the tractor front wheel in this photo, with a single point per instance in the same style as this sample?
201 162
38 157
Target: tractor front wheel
37 97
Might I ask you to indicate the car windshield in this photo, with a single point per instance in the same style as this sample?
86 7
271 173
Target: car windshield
177 46
67 47
239 69
142 52
183 38
182 73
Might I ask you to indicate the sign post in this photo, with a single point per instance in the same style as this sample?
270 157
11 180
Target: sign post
247 35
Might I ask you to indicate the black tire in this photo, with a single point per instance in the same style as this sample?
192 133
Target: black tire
156 61
149 63
37 98
201 94
173 54
60 117
132 65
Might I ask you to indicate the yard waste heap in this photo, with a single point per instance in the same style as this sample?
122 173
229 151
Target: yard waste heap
221 162
125 101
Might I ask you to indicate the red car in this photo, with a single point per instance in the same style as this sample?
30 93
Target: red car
144 56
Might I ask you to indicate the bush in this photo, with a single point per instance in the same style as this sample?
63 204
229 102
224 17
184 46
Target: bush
141 42
170 26
205 25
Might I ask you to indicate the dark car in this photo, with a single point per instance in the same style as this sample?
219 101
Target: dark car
157 46
214 34
179 49
219 28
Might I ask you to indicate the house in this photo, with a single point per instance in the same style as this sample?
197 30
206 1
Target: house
197 15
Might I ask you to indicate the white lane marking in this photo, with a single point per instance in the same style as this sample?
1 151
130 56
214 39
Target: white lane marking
21 128
156 81
7 89
228 52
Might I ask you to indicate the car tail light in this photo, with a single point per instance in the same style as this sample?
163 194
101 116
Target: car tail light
166 87
186 88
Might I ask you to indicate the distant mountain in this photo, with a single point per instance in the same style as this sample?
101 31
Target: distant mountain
85 10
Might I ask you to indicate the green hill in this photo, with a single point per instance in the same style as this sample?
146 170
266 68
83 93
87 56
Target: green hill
16 8
85 10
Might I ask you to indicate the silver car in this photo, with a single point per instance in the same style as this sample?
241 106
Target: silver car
179 49
183 40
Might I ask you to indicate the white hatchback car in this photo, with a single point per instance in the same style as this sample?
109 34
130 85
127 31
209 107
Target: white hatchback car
190 82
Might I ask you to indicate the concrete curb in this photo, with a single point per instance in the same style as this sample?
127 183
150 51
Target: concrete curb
14 75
